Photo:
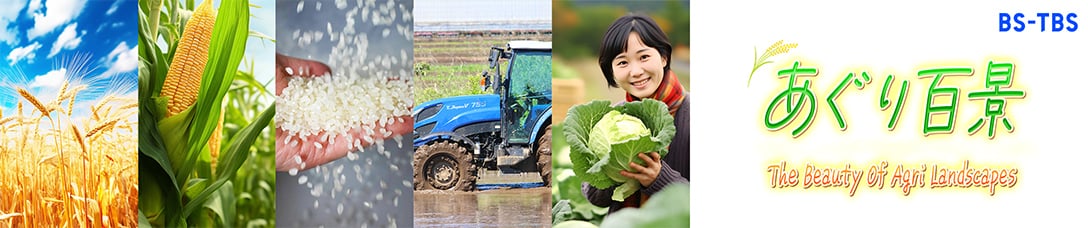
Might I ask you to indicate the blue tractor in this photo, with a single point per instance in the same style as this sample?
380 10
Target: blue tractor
508 130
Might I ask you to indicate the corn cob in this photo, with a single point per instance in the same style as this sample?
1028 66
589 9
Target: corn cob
183 78
182 84
213 144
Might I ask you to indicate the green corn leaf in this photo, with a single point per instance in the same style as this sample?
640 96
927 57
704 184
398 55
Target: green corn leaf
150 142
195 186
143 221
225 205
153 64
238 151
235 156
159 198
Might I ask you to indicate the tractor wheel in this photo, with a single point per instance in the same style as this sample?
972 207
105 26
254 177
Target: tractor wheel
444 166
544 156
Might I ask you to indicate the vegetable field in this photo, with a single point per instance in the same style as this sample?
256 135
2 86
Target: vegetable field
451 66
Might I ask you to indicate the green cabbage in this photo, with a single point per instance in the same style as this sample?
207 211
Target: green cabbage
604 140
615 128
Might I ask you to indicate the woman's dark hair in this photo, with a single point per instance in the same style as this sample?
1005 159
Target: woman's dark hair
615 42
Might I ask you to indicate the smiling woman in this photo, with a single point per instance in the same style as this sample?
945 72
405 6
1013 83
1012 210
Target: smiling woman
642 50
68 114
635 56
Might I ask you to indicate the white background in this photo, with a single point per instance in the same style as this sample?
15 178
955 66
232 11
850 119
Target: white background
732 149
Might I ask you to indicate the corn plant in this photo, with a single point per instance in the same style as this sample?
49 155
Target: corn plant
184 180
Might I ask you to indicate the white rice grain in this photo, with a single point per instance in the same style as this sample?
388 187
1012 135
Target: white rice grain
337 104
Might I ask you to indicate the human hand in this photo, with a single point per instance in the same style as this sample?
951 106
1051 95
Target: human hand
296 152
287 66
645 174
313 151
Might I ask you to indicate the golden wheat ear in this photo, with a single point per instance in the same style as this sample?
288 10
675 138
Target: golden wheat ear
79 139
33 101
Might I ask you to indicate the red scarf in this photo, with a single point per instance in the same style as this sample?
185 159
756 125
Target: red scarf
671 92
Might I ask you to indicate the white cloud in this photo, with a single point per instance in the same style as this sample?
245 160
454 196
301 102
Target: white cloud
57 13
121 59
53 79
114 25
8 13
25 52
113 8
68 39
34 6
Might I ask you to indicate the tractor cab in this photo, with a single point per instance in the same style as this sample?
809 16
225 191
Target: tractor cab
524 89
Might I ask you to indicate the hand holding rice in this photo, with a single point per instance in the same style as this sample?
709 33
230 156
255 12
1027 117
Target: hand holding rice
322 116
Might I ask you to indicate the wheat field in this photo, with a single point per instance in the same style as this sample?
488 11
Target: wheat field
60 170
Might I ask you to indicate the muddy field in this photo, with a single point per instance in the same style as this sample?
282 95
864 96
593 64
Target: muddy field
492 208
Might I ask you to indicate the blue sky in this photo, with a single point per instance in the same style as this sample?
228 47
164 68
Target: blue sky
86 42
262 52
